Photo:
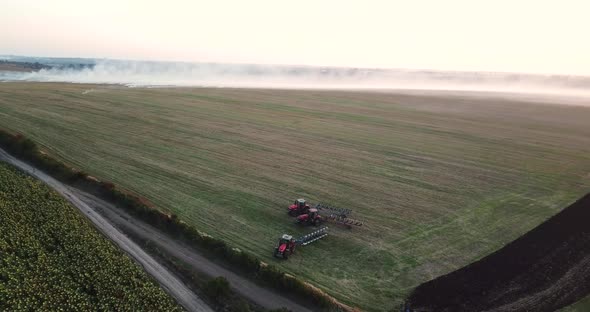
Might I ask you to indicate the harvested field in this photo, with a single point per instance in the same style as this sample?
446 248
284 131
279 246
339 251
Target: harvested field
439 181
544 270
580 306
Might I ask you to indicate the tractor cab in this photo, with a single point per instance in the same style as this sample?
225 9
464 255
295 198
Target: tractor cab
298 207
285 239
313 213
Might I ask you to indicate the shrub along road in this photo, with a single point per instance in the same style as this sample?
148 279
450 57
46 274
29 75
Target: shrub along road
102 214
244 287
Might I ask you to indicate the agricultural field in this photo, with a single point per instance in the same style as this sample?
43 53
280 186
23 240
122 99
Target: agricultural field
580 306
51 258
439 180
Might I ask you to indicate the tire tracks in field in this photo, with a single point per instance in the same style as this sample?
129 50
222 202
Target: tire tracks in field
113 221
163 276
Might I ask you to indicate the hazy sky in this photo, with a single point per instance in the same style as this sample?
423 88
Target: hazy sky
526 36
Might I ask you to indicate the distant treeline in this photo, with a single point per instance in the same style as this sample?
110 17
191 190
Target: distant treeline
27 150
39 66
27 65
73 66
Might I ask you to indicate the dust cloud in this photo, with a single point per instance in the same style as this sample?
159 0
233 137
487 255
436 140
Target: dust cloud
161 74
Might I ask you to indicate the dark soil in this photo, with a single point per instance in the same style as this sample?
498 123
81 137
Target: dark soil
546 269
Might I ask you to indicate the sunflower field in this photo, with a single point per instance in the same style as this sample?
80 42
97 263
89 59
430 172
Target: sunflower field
51 258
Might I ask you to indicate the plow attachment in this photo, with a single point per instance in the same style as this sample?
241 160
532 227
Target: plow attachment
343 212
312 237
344 220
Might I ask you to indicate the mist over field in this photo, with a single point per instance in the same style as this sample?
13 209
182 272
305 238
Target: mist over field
150 73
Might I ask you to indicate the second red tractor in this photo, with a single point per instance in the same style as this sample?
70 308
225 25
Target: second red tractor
310 216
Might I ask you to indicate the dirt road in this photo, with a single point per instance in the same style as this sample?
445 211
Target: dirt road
108 218
167 280
244 287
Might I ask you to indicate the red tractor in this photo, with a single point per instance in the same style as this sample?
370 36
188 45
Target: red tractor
287 243
312 217
298 208
286 247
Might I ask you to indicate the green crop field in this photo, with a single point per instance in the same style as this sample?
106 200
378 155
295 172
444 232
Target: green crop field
52 259
439 181
580 306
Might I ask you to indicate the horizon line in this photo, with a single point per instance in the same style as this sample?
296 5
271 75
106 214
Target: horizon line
302 65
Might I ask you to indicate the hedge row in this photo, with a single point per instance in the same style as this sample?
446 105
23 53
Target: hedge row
27 150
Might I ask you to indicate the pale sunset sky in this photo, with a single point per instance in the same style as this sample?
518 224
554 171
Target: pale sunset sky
516 36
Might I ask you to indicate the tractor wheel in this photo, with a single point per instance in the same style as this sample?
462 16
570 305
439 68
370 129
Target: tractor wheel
292 213
285 255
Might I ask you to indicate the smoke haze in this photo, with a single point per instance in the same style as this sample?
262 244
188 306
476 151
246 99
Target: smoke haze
153 74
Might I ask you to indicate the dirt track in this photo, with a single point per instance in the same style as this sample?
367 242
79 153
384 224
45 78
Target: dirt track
544 270
241 285
105 215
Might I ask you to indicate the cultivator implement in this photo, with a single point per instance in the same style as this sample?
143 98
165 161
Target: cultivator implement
312 237
344 212
338 215
344 220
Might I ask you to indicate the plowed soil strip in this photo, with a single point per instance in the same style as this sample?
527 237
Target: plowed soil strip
544 270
